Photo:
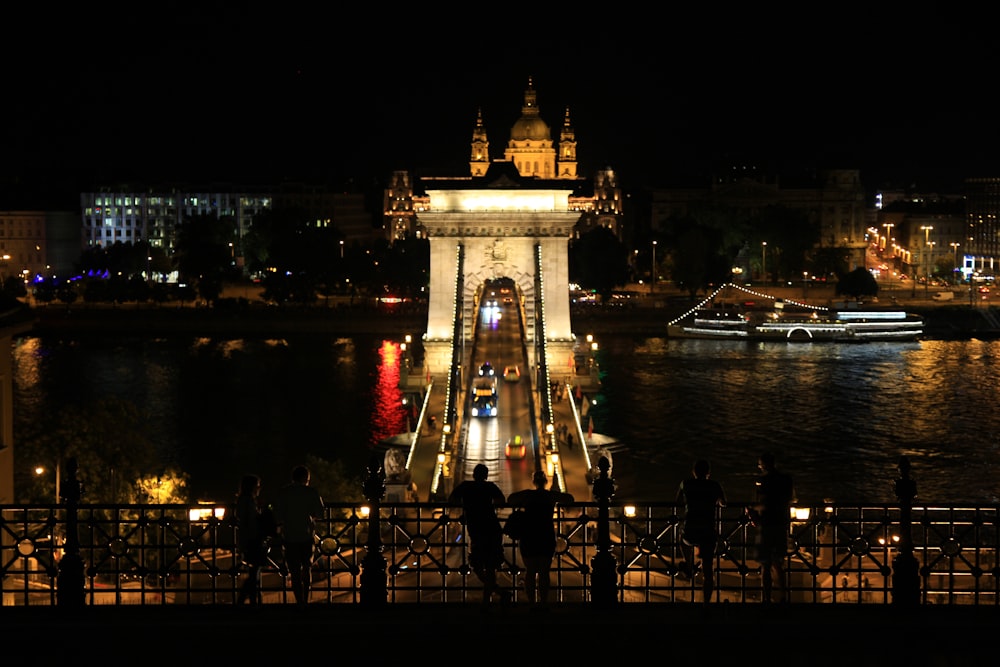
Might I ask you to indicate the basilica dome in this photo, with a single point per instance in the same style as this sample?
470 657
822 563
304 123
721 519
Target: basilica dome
530 128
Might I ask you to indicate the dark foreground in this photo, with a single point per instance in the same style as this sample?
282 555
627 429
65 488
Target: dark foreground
737 634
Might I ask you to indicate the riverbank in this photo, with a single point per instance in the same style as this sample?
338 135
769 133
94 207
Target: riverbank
647 317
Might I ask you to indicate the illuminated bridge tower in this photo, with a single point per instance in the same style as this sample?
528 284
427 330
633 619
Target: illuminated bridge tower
497 220
498 215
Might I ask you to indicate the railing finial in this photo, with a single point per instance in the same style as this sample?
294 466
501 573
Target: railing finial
374 591
71 583
905 578
604 577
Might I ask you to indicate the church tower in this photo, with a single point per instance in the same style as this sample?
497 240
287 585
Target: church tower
479 161
567 149
530 146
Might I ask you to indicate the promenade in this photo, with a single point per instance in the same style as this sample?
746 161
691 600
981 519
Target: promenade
799 635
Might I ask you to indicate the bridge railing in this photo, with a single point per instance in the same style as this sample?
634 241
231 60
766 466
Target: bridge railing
180 554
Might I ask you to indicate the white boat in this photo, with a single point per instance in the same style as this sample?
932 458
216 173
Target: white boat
793 321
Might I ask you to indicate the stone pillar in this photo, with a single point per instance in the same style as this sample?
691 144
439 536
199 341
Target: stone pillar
905 576
373 566
604 575
71 591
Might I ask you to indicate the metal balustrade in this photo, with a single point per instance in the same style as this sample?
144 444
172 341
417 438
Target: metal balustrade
179 554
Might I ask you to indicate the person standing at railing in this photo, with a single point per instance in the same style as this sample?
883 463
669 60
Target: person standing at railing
296 510
479 499
701 498
253 540
771 514
537 543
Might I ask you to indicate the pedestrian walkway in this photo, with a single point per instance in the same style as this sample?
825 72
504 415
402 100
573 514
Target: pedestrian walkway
747 634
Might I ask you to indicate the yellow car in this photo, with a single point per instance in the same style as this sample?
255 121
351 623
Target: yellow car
515 448
511 373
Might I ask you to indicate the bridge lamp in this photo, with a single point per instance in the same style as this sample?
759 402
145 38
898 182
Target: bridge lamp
206 512
799 513
629 511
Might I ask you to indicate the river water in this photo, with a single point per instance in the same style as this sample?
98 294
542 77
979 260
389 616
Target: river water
838 416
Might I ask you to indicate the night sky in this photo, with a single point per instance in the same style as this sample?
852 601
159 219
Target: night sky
906 96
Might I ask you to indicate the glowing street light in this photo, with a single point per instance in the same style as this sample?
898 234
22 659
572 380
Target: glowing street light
763 262
954 260
652 277
926 229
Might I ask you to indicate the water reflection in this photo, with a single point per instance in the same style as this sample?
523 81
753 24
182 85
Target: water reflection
838 416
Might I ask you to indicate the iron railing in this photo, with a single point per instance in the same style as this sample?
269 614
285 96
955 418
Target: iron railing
181 554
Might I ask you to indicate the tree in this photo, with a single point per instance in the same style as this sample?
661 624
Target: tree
858 283
598 261
203 254
110 440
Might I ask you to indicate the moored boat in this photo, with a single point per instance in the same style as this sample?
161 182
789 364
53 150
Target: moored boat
795 321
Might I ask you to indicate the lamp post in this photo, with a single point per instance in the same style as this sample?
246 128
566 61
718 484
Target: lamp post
926 229
888 233
954 260
930 261
885 246
652 271
40 470
763 262
342 250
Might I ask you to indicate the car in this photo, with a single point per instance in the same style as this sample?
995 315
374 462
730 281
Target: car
515 448
484 406
511 373
486 370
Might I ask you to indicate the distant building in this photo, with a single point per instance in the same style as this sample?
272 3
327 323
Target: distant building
834 200
533 153
982 232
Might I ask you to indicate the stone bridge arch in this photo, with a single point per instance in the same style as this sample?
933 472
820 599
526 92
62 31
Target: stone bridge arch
475 236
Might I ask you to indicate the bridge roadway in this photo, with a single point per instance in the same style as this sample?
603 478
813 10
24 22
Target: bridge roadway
499 341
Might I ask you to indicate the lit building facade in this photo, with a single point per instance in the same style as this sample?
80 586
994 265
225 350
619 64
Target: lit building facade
533 153
982 232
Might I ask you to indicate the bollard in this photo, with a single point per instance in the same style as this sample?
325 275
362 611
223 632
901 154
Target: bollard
603 578
71 591
373 566
905 579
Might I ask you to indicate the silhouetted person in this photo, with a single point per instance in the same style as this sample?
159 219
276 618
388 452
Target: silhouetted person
296 510
252 538
537 544
775 494
701 497
479 499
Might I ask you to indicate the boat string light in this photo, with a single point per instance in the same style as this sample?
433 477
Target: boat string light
751 292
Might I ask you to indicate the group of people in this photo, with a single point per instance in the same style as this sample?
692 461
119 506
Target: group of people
479 499
702 496
291 523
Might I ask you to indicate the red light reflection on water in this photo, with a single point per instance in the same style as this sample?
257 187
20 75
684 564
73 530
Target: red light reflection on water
389 418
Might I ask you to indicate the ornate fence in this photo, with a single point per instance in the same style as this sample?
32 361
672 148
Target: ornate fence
607 553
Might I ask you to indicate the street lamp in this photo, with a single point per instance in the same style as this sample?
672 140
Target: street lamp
888 233
40 470
926 229
342 250
930 260
954 260
652 277
763 262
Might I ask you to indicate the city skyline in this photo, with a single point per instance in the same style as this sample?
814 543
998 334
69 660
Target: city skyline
219 97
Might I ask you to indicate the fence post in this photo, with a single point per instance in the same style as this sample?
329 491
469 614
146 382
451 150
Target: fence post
905 580
603 578
373 565
70 591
